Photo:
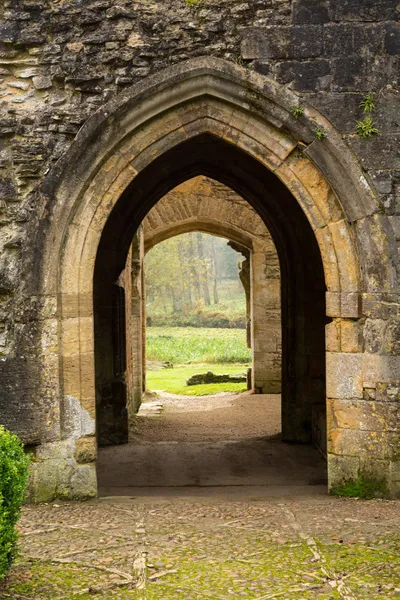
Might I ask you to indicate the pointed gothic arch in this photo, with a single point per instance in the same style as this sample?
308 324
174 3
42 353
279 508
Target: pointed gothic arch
210 117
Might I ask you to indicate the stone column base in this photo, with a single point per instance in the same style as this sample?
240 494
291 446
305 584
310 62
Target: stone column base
64 470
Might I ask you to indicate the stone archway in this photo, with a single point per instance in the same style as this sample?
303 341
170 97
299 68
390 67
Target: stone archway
213 118
202 204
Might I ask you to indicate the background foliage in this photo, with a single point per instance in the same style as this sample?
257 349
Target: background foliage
192 280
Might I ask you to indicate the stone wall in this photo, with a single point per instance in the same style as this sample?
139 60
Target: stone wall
60 61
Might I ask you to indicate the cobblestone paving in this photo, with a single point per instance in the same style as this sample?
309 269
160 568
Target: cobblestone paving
190 548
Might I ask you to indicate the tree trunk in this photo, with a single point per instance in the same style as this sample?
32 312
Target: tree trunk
215 264
186 291
203 266
194 268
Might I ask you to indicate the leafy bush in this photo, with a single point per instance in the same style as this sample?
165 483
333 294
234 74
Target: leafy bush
199 318
13 480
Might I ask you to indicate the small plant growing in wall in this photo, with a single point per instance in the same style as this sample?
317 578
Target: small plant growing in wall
320 133
368 103
366 128
13 479
242 62
297 111
197 3
239 61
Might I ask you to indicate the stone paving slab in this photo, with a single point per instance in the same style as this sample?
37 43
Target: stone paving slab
209 548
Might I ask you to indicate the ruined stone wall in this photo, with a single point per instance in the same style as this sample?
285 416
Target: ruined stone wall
60 61
205 204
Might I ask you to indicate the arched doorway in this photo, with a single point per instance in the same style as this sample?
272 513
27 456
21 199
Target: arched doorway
204 205
216 119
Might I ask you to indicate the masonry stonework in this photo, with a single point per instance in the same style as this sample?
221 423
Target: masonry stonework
105 107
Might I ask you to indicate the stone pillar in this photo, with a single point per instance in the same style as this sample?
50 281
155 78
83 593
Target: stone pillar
63 464
266 318
135 359
363 390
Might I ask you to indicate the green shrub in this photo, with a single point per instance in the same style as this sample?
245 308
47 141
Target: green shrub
13 480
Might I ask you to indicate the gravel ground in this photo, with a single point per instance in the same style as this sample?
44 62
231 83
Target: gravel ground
258 542
292 549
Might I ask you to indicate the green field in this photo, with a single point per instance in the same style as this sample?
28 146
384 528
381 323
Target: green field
174 380
182 345
193 350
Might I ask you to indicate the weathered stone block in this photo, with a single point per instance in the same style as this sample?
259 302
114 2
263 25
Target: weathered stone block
351 336
347 39
363 415
302 41
333 304
362 444
42 82
62 450
363 10
309 11
332 336
83 482
310 76
380 151
343 375
392 38
380 306
342 468
380 368
388 392
85 450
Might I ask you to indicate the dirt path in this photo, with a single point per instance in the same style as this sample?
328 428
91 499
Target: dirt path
227 440
211 418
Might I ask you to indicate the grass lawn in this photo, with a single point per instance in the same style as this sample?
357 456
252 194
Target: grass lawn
174 380
182 345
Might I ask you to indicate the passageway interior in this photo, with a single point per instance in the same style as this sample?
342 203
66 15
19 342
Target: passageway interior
221 443
250 439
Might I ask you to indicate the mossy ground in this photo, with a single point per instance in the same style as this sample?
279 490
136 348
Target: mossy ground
326 548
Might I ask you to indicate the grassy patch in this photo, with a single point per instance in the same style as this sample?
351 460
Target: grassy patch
191 345
173 380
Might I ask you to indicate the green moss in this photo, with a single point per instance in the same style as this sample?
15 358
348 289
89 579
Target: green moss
363 487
